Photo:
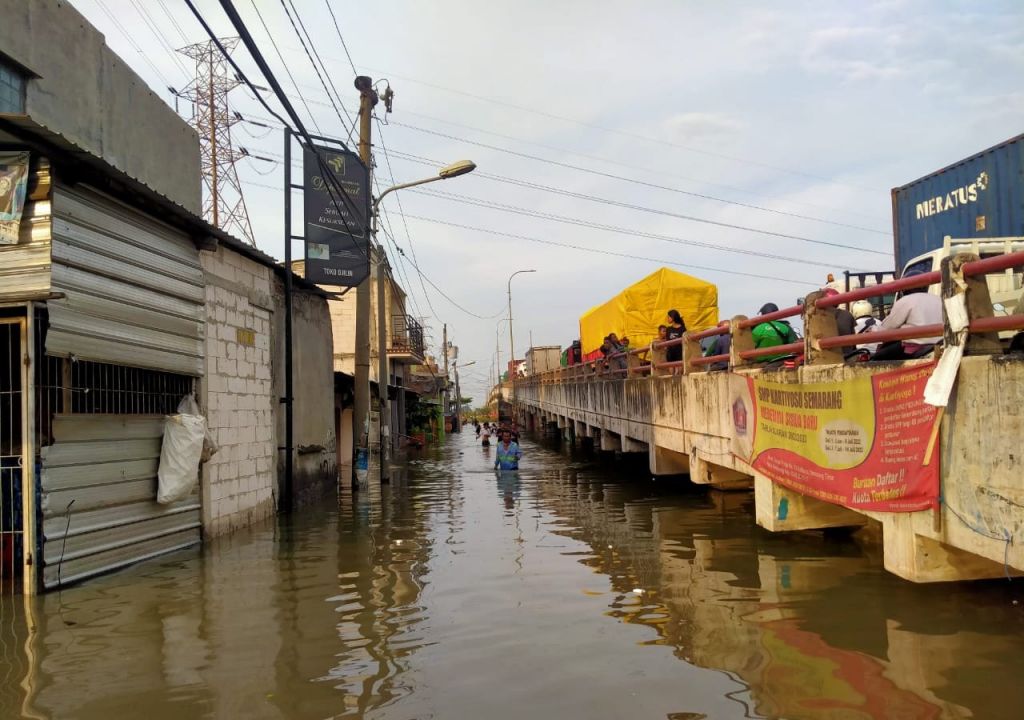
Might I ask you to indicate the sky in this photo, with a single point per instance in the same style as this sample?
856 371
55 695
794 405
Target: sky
752 145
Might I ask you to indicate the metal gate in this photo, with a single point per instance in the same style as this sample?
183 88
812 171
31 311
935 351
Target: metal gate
12 453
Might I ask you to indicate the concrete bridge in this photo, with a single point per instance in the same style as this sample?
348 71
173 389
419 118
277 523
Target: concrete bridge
682 417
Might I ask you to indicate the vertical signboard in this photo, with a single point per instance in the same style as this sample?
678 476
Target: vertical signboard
337 223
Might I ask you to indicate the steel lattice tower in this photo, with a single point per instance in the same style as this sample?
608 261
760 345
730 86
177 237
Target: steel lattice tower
224 204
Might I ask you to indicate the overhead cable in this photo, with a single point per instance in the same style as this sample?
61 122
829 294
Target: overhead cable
693 218
284 64
626 133
703 196
599 251
580 222
344 45
312 49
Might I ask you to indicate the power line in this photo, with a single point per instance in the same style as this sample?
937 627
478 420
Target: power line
615 203
693 218
579 222
131 40
167 12
625 133
316 69
443 294
703 196
337 29
284 64
151 24
570 246
401 213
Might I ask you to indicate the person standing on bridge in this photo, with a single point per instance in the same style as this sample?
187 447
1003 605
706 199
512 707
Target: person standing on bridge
508 453
674 330
773 333
914 308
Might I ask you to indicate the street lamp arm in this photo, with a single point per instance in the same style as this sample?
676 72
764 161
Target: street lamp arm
403 186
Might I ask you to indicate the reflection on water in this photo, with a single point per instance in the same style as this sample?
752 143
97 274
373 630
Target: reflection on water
564 590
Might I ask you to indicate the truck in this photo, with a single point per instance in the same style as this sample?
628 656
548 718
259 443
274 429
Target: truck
976 198
974 205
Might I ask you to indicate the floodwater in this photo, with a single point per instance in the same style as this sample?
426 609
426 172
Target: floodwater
569 590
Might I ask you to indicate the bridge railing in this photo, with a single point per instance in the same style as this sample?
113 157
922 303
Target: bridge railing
962 273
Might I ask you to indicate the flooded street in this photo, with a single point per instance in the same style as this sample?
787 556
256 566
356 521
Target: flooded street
570 590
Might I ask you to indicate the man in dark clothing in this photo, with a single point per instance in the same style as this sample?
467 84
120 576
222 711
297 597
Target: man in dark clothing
720 346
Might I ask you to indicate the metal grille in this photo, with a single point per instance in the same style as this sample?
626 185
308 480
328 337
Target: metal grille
406 335
11 530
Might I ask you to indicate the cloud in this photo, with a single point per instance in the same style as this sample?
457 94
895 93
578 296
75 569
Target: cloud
703 125
855 54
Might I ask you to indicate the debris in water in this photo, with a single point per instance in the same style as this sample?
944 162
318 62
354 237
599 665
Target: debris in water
638 591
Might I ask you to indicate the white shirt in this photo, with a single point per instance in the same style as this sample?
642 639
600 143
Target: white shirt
914 310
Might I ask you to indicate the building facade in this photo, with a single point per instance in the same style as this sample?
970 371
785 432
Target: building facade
116 302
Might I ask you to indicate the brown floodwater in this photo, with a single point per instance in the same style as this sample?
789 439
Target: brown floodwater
573 589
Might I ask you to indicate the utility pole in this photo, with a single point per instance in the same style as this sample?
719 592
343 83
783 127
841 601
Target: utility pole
361 415
458 398
383 371
447 394
224 205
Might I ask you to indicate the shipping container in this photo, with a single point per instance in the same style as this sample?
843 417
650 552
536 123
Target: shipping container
543 358
979 197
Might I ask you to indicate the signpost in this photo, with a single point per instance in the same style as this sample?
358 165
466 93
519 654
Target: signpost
337 237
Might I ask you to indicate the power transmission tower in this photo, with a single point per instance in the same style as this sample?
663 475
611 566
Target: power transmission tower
224 205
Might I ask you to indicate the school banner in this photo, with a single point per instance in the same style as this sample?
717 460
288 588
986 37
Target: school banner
865 443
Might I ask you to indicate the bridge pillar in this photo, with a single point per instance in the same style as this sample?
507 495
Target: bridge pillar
721 478
780 510
629 445
663 461
921 559
611 442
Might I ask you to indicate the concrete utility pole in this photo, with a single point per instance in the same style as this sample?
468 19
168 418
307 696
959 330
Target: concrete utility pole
361 415
447 394
383 369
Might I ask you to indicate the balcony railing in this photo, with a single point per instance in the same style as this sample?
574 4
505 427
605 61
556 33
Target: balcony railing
406 337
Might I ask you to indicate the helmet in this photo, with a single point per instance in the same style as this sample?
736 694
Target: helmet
862 308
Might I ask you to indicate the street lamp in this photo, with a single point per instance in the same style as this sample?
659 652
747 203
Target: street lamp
460 167
511 340
457 168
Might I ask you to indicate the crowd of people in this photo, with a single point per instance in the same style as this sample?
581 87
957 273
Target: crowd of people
914 307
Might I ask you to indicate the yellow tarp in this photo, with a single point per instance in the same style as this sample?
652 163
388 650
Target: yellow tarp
637 311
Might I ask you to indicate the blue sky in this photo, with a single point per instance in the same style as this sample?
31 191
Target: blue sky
814 109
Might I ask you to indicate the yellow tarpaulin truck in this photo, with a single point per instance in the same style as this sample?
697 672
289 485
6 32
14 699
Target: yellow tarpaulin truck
637 311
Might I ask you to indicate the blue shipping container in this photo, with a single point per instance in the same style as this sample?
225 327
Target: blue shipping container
982 196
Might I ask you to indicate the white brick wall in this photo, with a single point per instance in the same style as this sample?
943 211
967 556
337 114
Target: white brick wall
239 481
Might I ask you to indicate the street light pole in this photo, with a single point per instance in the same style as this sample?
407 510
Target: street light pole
461 167
511 338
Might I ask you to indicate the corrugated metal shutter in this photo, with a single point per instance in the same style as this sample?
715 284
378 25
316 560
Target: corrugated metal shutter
107 465
134 287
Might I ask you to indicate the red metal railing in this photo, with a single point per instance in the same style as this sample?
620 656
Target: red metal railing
978 325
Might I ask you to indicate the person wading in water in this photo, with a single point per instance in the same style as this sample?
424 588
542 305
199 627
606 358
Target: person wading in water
508 453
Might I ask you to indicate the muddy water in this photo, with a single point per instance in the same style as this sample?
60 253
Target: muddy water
570 590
